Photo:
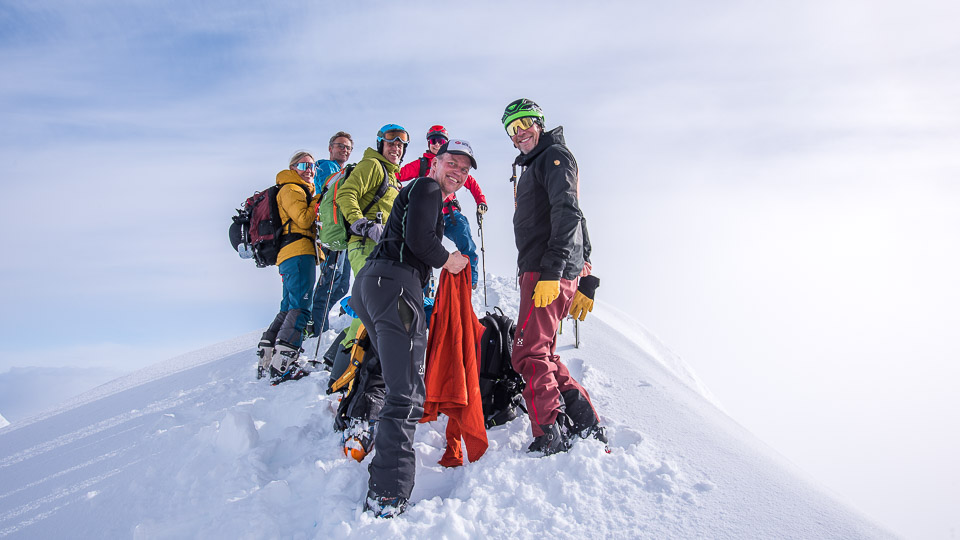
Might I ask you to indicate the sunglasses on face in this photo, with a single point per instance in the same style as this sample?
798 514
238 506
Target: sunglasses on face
436 140
520 123
303 166
342 146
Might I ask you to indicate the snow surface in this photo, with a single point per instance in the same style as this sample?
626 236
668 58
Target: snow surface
195 447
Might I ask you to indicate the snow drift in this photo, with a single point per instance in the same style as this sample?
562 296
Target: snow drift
197 448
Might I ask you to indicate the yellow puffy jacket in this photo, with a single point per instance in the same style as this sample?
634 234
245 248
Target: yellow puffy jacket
299 206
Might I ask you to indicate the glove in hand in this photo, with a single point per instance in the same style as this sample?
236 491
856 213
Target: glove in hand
365 227
583 299
546 292
482 208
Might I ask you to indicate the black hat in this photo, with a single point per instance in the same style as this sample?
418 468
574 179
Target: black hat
458 146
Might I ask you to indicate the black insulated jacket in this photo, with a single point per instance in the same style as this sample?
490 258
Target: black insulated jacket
550 230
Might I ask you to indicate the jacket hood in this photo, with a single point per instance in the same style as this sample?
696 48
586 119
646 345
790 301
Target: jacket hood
547 139
371 153
290 176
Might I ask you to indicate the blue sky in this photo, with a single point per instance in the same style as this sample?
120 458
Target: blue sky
773 190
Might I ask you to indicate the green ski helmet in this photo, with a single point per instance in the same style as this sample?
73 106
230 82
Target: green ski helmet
521 108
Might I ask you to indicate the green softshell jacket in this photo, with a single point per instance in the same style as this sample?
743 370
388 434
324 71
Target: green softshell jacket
361 186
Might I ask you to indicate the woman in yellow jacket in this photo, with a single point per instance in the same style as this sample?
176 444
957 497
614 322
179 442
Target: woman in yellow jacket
280 345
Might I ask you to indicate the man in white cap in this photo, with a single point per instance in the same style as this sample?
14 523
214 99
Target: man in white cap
388 298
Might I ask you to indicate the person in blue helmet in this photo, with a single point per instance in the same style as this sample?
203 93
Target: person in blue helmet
365 199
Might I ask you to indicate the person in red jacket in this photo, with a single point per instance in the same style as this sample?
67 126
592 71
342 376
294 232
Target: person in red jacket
456 226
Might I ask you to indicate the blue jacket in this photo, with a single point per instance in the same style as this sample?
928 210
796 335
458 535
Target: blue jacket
325 168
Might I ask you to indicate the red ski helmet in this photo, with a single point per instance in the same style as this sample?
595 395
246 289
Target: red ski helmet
437 131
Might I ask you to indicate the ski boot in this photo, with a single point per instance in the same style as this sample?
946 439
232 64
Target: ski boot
265 355
357 439
284 366
582 421
555 438
384 507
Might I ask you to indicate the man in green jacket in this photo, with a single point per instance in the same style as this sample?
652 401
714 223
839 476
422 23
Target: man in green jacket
357 197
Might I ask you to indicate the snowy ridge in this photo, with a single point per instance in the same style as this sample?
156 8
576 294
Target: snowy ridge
206 451
3 422
637 333
156 371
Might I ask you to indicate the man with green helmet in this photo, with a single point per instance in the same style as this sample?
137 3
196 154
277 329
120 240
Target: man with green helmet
554 263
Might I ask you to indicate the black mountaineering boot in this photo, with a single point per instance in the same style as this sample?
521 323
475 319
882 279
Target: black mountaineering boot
384 507
554 439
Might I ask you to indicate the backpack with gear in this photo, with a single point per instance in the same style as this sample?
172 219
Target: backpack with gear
361 383
333 228
500 385
257 230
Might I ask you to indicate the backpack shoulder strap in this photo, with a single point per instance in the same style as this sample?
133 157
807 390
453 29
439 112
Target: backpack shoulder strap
424 163
380 192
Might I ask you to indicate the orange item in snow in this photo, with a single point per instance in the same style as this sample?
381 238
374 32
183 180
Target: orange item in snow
452 374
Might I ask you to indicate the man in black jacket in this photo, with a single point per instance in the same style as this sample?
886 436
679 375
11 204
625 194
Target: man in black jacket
553 256
388 298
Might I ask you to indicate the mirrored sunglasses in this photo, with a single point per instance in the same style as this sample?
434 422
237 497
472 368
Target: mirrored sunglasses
520 123
302 166
436 140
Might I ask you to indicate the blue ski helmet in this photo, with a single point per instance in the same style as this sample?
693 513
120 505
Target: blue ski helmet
387 128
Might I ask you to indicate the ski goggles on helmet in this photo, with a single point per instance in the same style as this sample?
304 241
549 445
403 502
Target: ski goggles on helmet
303 166
520 123
437 140
397 136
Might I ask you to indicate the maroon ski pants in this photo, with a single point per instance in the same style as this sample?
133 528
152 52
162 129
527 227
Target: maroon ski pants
534 353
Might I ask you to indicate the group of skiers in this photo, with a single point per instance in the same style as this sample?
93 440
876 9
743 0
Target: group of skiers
395 242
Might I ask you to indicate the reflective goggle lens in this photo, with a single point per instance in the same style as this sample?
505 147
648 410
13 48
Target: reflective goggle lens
398 136
520 123
302 166
436 140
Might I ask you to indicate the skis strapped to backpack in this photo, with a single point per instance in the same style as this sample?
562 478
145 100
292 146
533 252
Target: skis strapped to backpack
257 230
333 228
500 385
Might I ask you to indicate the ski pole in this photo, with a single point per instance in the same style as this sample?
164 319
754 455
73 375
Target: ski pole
513 180
576 333
483 256
337 266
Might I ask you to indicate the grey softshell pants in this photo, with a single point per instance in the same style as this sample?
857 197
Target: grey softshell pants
388 298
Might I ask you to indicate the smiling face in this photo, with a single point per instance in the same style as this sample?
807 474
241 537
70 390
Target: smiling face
340 150
526 139
394 142
307 174
434 147
450 171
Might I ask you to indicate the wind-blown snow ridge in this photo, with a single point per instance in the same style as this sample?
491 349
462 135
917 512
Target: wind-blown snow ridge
199 449
153 372
637 333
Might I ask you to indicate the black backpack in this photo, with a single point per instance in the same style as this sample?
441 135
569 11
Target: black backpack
257 231
500 385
